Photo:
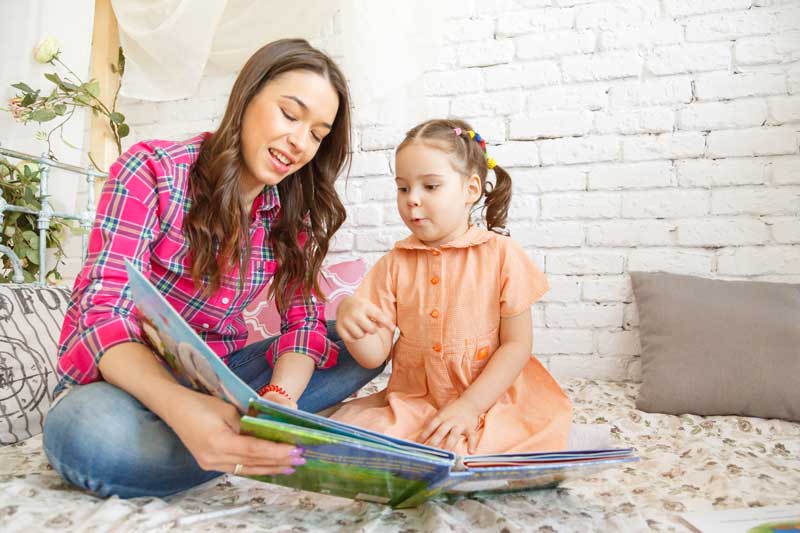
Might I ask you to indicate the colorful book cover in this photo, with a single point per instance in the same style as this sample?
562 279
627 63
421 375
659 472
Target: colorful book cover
345 460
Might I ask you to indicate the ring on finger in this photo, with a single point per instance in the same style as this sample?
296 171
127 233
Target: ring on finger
237 470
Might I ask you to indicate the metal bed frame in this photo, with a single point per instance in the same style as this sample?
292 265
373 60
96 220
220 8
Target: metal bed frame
46 212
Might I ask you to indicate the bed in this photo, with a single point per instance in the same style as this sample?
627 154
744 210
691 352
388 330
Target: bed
688 463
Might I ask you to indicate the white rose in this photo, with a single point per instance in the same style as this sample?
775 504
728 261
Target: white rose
47 50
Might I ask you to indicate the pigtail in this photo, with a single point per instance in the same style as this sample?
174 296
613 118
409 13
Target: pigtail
497 202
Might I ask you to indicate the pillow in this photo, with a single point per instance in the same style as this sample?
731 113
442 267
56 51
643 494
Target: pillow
30 325
714 347
336 281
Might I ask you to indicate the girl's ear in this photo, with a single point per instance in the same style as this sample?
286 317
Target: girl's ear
473 188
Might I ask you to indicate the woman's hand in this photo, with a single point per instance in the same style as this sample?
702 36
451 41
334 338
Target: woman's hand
209 428
357 317
445 429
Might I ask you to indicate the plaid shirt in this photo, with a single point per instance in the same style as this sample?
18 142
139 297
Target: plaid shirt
140 217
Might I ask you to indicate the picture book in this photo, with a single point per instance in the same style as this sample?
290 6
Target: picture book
345 460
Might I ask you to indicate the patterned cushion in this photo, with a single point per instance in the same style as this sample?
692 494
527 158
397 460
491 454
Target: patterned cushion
336 281
30 324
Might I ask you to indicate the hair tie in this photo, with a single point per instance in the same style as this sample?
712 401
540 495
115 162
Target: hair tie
490 163
458 131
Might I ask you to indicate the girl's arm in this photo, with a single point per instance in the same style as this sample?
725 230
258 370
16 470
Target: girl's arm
366 330
461 417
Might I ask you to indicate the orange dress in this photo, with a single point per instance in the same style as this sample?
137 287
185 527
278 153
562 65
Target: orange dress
447 303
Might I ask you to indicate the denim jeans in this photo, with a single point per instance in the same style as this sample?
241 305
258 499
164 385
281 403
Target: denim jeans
102 439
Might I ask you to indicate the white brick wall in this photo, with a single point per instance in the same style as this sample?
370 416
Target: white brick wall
640 134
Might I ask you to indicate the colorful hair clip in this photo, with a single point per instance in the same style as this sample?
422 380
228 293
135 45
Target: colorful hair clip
458 131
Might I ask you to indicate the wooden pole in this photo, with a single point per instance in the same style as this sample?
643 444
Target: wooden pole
105 52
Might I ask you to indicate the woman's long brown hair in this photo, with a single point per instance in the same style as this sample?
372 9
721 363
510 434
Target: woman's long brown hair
216 226
469 158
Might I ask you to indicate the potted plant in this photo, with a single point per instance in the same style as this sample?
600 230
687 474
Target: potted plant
20 183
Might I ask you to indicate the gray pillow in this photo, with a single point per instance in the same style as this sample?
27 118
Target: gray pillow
30 325
715 347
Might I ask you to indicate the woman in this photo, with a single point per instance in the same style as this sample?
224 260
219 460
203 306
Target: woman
209 221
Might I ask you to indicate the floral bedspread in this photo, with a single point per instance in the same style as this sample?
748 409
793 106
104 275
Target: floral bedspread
688 463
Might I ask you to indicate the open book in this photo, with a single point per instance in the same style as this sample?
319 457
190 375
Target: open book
345 460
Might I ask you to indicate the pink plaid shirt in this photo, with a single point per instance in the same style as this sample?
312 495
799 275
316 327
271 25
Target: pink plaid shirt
140 218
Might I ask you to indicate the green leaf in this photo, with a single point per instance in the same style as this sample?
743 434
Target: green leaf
53 77
92 87
43 115
28 99
83 99
123 130
69 85
23 87
117 118
60 109
32 255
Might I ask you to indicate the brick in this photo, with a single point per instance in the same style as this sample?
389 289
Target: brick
557 340
549 235
138 112
782 48
583 263
587 205
563 289
685 8
562 98
369 164
536 74
579 150
555 44
516 154
468 29
551 124
723 115
786 231
583 315
649 120
750 142
564 367
381 138
618 343
493 104
793 78
623 233
748 261
446 83
349 189
380 189
607 289
523 207
663 146
612 15
655 92
786 170
366 215
678 261
343 241
549 179
738 24
632 175
485 53
630 316
534 21
725 86
601 66
644 35
665 204
390 215
721 172
783 109
756 201
685 58
722 232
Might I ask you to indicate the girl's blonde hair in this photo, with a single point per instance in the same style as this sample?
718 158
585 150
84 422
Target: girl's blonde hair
468 156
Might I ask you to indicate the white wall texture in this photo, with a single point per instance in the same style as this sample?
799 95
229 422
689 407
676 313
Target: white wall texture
640 135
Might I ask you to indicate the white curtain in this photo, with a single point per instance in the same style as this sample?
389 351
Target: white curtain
383 47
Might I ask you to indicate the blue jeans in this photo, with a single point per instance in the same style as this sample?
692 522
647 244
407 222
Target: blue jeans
102 439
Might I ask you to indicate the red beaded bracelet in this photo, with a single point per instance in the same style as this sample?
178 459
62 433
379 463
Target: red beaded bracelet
274 388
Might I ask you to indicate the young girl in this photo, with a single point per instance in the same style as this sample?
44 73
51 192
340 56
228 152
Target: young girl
463 377
209 221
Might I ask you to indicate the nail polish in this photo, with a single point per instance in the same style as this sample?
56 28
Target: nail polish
296 452
298 461
289 471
